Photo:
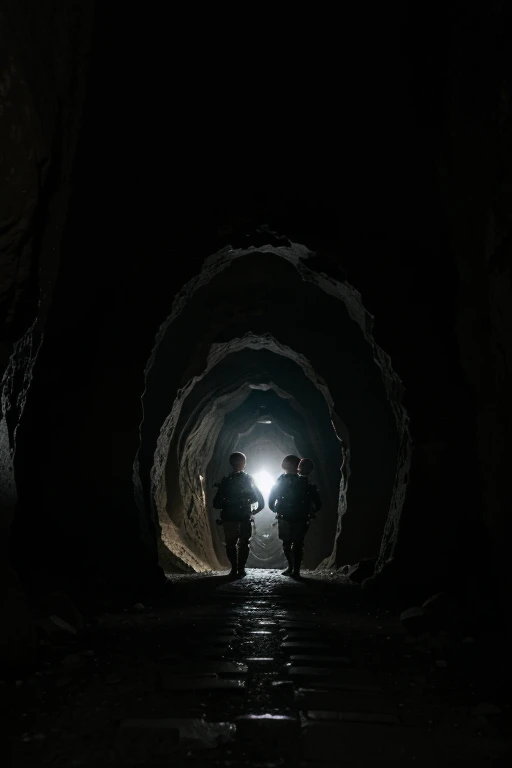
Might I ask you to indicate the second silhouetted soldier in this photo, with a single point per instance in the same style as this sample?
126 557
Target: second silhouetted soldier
295 501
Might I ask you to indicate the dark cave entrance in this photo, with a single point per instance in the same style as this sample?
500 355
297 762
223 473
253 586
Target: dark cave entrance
330 391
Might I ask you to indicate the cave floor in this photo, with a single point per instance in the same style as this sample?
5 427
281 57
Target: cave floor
262 671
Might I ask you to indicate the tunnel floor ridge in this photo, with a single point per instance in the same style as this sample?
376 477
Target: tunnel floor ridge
261 671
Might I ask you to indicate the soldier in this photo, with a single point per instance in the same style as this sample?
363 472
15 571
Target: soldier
295 501
236 495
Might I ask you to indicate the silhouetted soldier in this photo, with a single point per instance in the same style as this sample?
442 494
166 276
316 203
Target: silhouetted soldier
295 501
236 496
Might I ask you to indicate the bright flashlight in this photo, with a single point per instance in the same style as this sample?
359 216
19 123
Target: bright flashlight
264 482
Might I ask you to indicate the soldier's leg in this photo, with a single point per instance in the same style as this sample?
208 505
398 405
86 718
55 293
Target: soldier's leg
231 536
244 537
284 530
298 533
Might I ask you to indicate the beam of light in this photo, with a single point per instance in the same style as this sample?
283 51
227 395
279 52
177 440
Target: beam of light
264 481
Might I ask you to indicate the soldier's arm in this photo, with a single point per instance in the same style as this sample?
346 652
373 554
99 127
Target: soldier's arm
315 499
273 496
261 500
219 498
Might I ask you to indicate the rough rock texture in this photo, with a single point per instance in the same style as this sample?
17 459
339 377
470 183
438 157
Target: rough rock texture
204 436
476 181
43 65
363 570
242 278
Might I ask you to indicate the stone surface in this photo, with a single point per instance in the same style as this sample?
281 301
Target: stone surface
363 570
208 651
304 645
209 668
202 682
326 742
61 605
151 724
485 708
301 636
228 668
18 636
298 626
345 701
349 679
306 659
128 679
260 660
143 739
223 639
354 717
148 740
275 736
309 672
255 726
414 620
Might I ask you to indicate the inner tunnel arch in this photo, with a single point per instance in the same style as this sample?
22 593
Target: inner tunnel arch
194 441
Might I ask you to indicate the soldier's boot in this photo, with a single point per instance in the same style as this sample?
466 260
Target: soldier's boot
243 554
231 553
288 571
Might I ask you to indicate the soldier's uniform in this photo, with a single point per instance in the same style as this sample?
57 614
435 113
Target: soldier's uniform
294 500
236 495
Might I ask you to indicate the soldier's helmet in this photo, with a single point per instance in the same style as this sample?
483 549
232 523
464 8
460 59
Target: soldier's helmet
306 466
237 461
290 463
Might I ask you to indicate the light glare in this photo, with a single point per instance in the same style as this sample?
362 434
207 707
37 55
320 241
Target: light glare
264 481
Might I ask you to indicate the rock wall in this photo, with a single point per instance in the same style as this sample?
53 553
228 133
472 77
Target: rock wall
43 70
475 176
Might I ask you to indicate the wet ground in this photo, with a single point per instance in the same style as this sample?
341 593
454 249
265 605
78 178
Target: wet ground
263 671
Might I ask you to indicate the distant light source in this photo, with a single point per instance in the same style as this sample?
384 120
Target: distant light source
265 421
264 481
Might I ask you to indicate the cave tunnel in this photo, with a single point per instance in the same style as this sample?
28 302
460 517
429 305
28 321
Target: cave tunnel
329 392
273 241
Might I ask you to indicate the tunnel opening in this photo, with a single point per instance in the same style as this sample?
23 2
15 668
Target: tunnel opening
261 319
268 425
208 429
265 444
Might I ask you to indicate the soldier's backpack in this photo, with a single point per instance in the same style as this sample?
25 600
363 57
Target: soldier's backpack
293 496
236 496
